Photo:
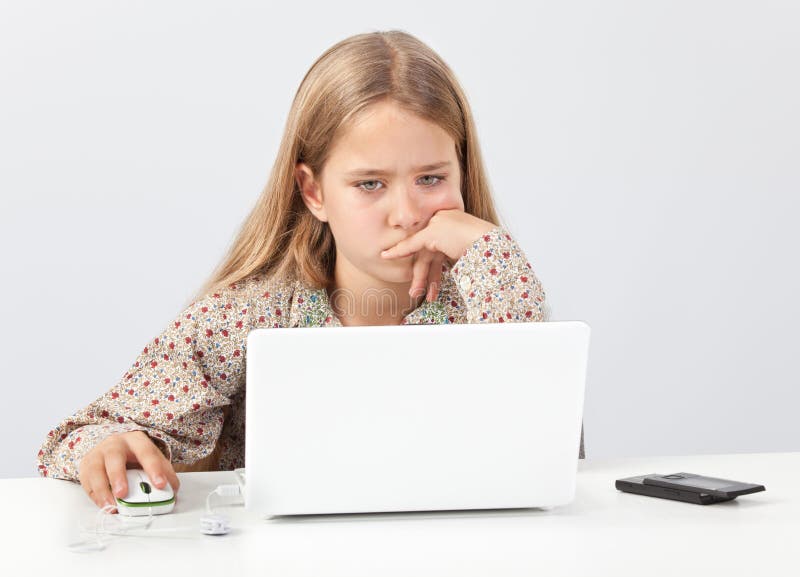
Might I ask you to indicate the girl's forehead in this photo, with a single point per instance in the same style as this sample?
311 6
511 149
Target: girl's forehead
387 121
379 141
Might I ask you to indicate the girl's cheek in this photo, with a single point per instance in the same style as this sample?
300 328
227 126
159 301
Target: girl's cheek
447 199
367 218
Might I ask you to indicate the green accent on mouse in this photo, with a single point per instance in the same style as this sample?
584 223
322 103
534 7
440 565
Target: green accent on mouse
150 504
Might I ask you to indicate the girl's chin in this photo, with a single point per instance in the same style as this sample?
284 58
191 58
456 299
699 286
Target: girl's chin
397 272
397 263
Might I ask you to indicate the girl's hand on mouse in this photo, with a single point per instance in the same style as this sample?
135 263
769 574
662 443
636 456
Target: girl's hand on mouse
448 234
104 467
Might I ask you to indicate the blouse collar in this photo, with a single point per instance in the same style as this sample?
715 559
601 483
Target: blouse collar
310 307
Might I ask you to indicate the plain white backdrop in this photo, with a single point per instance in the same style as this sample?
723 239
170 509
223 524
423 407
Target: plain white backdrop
644 154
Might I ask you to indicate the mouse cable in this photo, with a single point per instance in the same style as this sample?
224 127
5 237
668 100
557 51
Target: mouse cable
215 524
100 535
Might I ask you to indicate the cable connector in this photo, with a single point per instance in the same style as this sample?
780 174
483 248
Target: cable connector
227 490
222 491
211 523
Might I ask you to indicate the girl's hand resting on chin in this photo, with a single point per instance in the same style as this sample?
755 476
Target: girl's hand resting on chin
448 234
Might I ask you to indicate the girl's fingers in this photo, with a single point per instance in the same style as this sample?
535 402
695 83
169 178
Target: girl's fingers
153 462
403 248
98 488
172 476
424 240
93 478
140 443
419 276
435 276
116 473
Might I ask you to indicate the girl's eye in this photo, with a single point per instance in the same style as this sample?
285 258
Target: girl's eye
439 179
370 185
366 182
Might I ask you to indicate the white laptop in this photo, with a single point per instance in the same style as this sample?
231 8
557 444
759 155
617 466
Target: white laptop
413 417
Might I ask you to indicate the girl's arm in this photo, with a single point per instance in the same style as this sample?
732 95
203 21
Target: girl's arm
175 390
497 283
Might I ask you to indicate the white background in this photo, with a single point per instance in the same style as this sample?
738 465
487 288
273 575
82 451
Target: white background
644 154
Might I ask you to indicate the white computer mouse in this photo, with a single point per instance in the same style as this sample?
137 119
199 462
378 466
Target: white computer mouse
144 497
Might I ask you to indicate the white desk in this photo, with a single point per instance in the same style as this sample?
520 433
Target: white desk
603 532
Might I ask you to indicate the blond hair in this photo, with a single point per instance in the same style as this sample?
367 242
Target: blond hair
280 236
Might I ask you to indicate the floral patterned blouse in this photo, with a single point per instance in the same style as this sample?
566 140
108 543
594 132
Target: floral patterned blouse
186 388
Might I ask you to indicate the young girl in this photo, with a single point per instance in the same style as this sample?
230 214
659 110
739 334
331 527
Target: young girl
378 190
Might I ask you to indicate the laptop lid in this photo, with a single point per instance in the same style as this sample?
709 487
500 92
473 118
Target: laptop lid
413 417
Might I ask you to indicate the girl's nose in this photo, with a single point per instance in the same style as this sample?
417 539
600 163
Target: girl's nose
405 211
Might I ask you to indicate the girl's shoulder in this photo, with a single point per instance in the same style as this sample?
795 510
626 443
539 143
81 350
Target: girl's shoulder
262 287
253 302
257 288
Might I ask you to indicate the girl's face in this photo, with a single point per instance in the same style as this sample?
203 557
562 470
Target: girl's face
384 179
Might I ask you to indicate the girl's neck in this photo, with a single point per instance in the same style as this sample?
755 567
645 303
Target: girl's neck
360 300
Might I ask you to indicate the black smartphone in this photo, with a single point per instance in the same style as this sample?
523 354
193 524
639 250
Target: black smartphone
638 486
724 488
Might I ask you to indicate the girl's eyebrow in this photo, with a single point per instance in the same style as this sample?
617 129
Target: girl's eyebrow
378 171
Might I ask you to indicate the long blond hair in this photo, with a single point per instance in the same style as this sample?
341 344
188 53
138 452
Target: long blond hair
280 235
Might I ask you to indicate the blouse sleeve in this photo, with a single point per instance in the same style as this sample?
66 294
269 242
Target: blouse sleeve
498 284
496 281
175 390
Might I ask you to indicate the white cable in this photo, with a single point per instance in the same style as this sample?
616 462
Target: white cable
211 523
124 527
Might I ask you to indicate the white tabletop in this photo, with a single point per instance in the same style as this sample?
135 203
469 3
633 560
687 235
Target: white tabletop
602 532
